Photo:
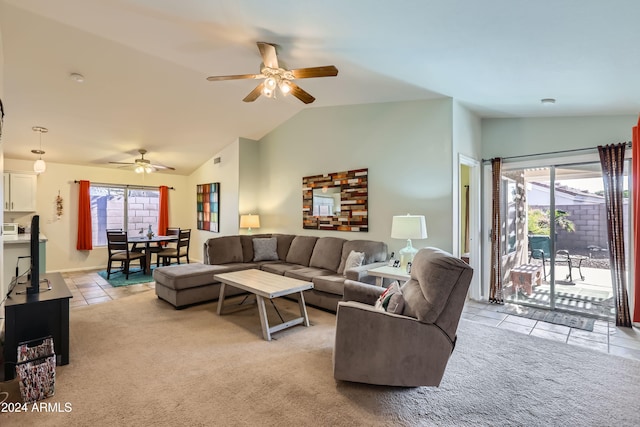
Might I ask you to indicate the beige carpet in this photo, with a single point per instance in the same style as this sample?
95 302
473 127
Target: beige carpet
138 362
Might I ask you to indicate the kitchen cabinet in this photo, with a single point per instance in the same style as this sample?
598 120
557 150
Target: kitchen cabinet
19 192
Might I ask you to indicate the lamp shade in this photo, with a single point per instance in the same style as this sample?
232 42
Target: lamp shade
249 221
409 227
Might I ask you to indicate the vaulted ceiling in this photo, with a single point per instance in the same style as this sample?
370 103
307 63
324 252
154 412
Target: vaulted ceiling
145 64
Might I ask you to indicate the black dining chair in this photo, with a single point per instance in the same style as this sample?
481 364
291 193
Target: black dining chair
119 251
180 250
171 231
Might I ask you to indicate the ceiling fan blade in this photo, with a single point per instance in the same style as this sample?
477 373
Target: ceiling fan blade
254 94
234 77
122 163
301 94
305 73
163 167
269 55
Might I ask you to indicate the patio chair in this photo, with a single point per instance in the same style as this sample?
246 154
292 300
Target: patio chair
540 248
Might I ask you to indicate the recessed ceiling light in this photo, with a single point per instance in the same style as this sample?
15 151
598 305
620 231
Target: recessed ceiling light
548 101
76 77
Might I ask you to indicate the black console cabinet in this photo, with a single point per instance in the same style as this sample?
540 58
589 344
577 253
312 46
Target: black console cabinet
33 316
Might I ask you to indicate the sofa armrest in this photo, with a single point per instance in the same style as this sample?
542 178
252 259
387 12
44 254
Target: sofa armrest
377 347
361 292
361 274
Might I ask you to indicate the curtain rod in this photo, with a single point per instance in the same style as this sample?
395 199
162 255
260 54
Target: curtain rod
124 185
549 153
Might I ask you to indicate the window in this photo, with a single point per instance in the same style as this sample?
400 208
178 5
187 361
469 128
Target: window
119 207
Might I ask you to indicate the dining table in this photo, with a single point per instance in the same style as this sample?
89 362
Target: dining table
147 241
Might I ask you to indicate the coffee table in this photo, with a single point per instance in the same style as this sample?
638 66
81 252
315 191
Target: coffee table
266 285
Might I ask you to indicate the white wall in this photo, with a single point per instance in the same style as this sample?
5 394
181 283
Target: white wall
407 147
62 234
3 286
249 177
227 174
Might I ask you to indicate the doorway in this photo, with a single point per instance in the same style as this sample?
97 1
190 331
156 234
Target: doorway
467 241
554 238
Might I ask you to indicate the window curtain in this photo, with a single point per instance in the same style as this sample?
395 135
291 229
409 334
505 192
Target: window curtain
635 197
85 241
163 217
495 290
612 162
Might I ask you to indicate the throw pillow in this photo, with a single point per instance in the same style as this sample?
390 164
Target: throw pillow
355 259
265 249
391 299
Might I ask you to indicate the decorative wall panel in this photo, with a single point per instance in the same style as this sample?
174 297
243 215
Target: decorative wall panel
336 201
208 197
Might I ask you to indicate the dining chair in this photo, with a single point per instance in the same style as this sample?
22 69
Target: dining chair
119 251
171 231
180 250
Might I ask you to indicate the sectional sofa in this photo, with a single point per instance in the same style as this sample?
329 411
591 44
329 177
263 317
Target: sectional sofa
321 260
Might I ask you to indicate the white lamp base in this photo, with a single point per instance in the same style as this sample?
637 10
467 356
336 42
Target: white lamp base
406 254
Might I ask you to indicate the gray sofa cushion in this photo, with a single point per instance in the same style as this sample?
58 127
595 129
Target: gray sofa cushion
187 276
331 284
434 274
223 250
301 249
327 253
265 249
279 267
284 243
373 251
307 273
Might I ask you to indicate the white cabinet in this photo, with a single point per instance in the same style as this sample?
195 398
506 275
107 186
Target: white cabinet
20 192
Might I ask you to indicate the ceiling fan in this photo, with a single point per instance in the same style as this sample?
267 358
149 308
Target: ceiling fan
276 77
143 165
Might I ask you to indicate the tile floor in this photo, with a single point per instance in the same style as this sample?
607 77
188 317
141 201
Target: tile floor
605 337
87 287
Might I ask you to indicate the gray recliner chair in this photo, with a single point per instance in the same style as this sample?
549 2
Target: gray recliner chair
409 349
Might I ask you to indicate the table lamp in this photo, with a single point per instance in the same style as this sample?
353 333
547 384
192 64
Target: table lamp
408 227
250 222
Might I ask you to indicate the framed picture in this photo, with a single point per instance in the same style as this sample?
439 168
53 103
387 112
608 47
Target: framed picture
208 211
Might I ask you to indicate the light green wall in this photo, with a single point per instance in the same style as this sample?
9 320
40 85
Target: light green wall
407 147
519 136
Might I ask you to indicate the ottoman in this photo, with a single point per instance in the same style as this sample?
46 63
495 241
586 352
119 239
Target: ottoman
187 284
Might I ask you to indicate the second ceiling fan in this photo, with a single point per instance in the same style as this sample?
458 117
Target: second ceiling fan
279 78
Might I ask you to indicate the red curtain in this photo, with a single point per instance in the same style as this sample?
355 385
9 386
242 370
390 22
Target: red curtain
635 196
84 242
163 217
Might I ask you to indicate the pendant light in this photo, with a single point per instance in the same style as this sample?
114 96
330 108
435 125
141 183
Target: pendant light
39 166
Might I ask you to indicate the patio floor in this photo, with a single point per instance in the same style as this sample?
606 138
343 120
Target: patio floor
592 296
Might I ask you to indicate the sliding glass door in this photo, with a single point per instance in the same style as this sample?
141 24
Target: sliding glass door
554 242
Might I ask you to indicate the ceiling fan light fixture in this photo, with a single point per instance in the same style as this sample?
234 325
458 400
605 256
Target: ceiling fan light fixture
285 87
39 166
270 83
267 92
139 169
